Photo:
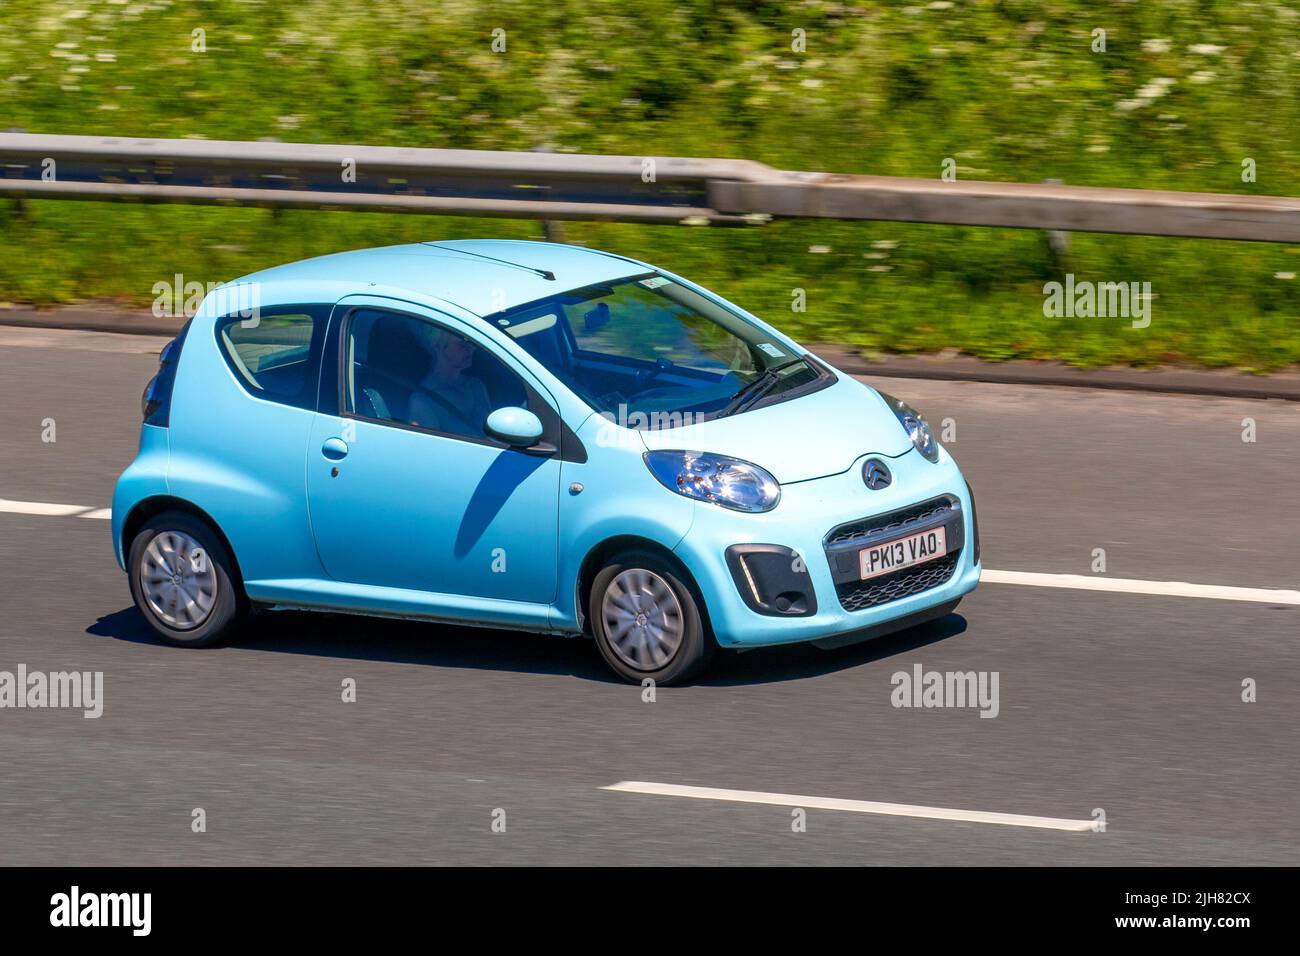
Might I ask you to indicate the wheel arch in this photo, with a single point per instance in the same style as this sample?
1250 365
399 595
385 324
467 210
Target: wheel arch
601 553
147 508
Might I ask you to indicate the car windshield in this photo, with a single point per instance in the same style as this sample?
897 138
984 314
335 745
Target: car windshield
649 352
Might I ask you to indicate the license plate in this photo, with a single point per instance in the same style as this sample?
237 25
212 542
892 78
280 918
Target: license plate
902 553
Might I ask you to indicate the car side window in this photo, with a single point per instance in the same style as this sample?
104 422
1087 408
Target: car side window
275 355
406 369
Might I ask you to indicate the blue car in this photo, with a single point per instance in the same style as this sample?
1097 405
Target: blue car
530 436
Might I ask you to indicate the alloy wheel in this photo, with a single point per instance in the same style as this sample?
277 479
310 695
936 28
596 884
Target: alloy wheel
643 619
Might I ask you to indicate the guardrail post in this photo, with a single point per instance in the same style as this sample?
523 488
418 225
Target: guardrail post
1058 241
552 229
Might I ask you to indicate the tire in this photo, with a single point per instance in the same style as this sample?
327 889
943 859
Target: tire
646 620
209 604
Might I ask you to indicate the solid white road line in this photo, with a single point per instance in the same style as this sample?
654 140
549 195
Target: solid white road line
1077 582
45 508
851 806
1082 582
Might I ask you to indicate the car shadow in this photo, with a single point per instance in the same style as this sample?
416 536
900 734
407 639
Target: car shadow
765 665
354 637
351 637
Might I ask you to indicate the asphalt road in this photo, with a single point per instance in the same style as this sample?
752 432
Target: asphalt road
1123 702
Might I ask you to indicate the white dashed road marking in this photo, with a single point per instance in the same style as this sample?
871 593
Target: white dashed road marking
851 806
1082 582
58 511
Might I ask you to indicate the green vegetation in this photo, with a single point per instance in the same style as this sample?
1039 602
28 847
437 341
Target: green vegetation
1011 89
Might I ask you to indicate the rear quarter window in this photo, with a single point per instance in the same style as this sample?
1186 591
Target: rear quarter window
276 356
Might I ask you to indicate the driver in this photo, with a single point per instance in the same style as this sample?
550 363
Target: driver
450 398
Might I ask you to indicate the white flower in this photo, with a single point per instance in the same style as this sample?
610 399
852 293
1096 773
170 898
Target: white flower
1283 275
1205 49
1155 45
1156 88
1203 76
819 250
884 244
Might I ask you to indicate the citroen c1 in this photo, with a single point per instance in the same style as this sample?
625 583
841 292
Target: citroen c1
531 436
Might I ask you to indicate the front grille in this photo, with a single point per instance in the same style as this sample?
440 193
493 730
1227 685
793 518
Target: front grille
860 595
893 521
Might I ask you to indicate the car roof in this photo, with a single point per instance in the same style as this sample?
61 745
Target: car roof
482 276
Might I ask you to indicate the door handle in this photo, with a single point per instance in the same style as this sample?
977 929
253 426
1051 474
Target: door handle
335 449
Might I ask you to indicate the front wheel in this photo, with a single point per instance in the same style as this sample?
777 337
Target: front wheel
646 621
183 581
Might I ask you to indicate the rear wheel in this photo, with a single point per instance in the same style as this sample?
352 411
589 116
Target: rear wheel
183 581
646 621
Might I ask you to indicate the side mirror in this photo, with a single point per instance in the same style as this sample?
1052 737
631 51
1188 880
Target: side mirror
517 427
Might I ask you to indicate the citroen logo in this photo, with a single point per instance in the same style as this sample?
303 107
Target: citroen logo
875 475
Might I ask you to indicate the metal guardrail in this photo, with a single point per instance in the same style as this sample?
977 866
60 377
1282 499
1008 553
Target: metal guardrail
555 186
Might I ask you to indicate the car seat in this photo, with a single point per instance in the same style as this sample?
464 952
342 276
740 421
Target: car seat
395 363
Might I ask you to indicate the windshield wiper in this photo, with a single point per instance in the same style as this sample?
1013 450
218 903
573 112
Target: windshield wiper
751 392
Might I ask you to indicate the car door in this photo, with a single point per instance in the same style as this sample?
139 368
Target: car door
405 488
241 418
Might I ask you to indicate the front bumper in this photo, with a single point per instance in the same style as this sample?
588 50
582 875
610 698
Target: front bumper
760 605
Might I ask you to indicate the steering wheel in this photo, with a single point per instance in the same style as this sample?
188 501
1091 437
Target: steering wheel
646 376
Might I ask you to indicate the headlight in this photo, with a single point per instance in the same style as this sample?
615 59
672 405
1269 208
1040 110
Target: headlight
724 481
916 427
